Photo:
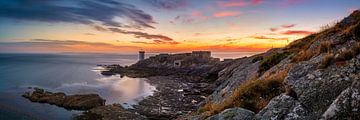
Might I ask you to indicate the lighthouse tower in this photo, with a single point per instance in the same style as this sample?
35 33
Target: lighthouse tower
141 55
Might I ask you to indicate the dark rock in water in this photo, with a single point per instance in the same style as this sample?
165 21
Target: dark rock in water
110 112
76 102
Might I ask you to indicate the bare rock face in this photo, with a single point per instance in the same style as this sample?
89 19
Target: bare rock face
283 107
234 114
316 88
232 76
346 105
76 102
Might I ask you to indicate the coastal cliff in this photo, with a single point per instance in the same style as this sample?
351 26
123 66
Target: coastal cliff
316 77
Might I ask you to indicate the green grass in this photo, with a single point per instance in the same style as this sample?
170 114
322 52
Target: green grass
271 61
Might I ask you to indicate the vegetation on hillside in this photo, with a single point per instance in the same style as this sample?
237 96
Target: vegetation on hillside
253 95
272 60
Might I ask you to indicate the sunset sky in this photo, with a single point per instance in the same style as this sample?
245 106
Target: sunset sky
127 26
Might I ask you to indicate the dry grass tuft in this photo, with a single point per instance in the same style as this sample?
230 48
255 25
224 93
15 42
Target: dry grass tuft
253 95
272 60
325 47
326 61
303 56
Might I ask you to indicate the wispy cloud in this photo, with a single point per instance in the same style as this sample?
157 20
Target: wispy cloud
284 26
157 42
45 45
168 4
239 3
268 38
141 34
194 16
87 12
297 32
288 25
273 29
226 14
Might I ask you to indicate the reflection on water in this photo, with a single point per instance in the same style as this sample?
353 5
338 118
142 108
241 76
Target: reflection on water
126 91
72 74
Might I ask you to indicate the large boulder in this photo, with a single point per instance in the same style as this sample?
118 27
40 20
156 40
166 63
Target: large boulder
283 107
76 102
346 105
233 114
318 88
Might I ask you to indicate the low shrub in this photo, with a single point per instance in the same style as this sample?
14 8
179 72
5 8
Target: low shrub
348 53
271 61
345 55
326 61
253 94
352 31
303 56
257 58
325 46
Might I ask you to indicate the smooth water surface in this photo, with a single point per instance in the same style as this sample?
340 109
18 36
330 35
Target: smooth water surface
69 73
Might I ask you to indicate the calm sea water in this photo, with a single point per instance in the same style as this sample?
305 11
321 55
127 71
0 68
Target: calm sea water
69 73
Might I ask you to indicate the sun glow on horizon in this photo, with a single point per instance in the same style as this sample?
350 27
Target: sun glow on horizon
163 26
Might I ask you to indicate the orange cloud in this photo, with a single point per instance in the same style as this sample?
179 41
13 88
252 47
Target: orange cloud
268 38
285 26
43 45
226 14
288 26
234 48
239 3
274 29
297 32
157 42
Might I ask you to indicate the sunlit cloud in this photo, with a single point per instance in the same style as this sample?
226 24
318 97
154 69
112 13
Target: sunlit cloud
268 38
273 29
288 25
168 4
297 32
157 42
44 45
284 26
239 3
141 34
226 14
79 12
194 16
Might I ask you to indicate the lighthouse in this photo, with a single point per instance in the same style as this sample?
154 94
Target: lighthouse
141 55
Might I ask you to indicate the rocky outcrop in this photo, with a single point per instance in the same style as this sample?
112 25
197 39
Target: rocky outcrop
75 102
346 105
312 85
326 92
283 107
232 76
233 114
110 112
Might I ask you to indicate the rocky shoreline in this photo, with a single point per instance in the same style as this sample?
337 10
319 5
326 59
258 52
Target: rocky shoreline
318 81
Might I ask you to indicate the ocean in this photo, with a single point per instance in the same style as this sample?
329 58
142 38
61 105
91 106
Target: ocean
72 73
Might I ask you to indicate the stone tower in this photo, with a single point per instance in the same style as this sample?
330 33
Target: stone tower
141 55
